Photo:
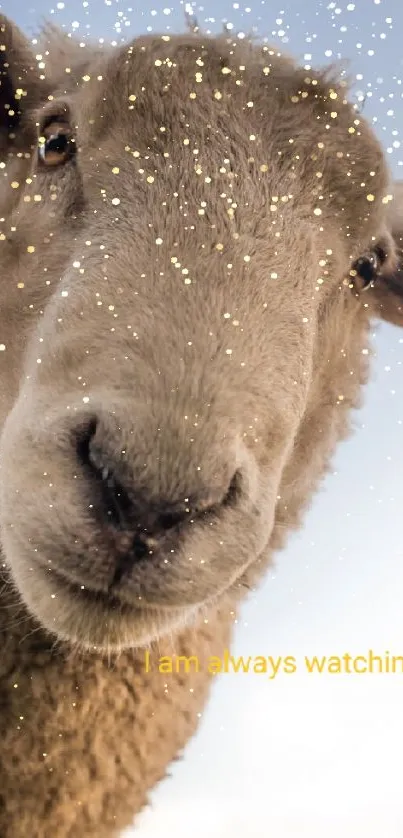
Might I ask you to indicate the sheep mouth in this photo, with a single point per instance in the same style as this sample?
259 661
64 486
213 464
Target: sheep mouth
107 600
98 621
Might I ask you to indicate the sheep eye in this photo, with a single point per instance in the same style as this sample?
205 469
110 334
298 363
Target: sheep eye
367 269
56 145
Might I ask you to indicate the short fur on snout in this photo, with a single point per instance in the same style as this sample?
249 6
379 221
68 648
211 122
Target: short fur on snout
182 283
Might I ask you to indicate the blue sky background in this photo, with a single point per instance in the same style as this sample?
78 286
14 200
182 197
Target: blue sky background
302 755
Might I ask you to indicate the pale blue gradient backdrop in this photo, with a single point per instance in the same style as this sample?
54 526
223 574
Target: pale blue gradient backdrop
304 756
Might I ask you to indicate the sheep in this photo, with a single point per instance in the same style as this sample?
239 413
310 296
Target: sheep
196 235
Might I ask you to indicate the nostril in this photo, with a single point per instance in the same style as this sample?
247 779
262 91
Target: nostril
169 520
89 453
234 490
83 439
200 508
110 499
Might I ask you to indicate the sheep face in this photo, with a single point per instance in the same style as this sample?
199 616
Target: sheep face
180 219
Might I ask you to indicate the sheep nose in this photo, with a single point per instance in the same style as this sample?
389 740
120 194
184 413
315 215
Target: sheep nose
126 509
121 507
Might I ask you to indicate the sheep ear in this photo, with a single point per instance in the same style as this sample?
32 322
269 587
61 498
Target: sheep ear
386 297
21 88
